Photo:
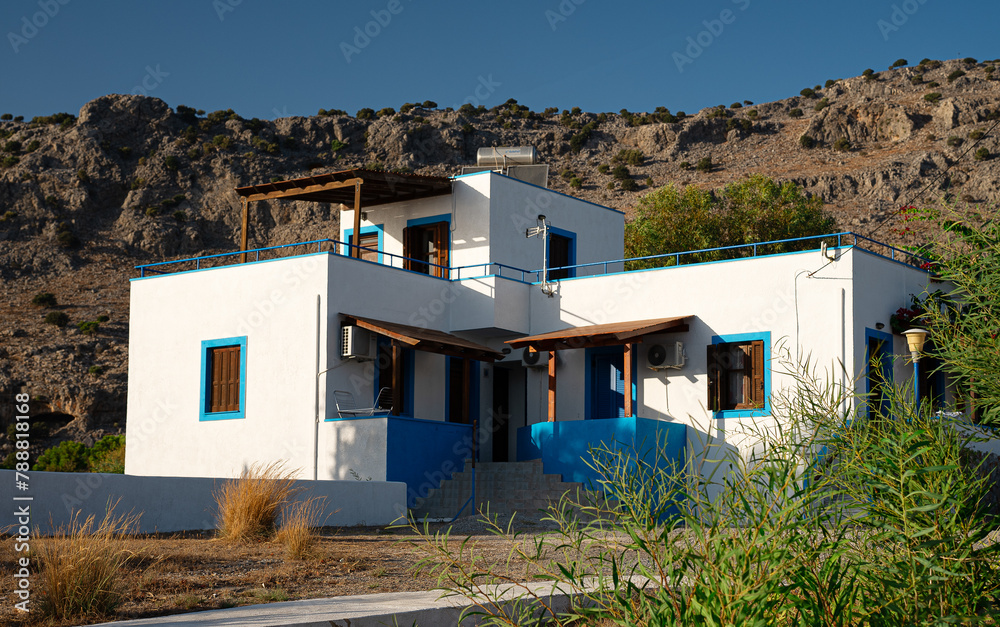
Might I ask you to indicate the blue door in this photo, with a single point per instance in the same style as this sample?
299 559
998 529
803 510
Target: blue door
607 385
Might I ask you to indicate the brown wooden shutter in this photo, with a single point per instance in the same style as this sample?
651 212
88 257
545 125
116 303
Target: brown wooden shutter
714 378
441 246
409 247
757 374
225 379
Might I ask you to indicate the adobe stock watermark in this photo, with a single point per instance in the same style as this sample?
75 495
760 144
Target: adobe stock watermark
225 6
713 30
563 10
153 79
485 87
899 16
31 26
364 34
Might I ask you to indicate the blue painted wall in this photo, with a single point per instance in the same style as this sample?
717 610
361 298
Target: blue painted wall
564 447
422 453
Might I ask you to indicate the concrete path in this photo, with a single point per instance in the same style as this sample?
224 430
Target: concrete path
402 609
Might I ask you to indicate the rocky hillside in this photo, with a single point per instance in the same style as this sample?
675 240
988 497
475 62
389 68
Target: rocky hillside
129 180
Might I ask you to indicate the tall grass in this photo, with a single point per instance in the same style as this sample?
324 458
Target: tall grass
249 505
82 567
297 524
830 518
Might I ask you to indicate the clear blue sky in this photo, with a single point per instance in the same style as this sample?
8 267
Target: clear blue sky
270 59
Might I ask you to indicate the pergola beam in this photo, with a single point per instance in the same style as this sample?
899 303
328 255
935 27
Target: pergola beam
302 191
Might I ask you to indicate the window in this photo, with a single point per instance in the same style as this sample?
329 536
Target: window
562 253
878 371
371 237
223 378
738 377
425 244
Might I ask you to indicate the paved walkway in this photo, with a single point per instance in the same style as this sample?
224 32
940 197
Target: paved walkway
402 609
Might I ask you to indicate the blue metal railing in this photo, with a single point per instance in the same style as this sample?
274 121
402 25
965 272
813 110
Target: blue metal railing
482 270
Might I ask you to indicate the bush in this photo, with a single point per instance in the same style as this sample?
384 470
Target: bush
822 104
68 456
982 154
385 112
6 116
67 240
9 161
932 97
296 532
932 85
12 146
704 164
44 299
603 168
620 172
96 370
795 113
842 145
58 318
969 61
365 113
899 63
954 76
577 141
976 135
249 506
429 104
88 328
916 79
807 142
103 318
628 185
631 156
869 74
172 163
808 93
954 141
752 114
736 105
684 165
575 182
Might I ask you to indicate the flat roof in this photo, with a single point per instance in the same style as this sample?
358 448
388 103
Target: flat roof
377 187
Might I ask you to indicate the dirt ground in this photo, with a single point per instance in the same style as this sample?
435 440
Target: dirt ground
195 571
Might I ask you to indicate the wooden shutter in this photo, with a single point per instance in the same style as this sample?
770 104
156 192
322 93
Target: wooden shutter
757 367
714 378
225 379
441 246
409 247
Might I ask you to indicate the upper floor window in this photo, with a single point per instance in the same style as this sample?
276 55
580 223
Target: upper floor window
562 253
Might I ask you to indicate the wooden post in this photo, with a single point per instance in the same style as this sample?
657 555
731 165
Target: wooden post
397 378
356 236
627 375
552 386
244 235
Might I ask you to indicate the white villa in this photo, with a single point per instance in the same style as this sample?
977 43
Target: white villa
431 289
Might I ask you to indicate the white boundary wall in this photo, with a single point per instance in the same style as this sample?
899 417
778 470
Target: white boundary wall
185 503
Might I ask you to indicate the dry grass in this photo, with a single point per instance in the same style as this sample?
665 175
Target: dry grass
297 528
81 568
249 506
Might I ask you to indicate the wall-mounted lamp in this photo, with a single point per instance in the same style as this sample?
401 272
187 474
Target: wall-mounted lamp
915 339
879 325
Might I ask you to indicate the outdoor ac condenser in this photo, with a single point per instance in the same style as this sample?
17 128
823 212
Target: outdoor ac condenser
354 342
534 359
666 355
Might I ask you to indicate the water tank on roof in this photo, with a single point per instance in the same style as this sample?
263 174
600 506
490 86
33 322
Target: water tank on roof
502 157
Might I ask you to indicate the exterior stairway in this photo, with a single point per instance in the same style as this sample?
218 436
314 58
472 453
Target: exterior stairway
506 487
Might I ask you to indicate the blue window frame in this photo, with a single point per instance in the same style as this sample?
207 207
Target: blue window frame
378 229
562 252
878 370
605 382
223 379
739 375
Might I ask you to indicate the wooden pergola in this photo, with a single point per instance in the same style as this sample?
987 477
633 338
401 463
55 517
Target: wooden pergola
352 188
405 336
625 334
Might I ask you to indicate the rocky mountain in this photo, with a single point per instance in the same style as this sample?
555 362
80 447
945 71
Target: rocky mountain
85 198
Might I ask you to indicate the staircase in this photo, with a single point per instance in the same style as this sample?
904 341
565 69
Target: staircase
506 487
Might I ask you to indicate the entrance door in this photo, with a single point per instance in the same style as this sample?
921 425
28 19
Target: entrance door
501 414
607 384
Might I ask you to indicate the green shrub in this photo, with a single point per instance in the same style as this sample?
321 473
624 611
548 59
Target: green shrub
899 63
976 135
752 114
67 240
869 74
12 146
628 185
842 145
8 215
96 370
468 129
620 172
103 318
795 113
982 154
6 116
172 163
954 141
822 104
932 85
603 168
736 105
631 156
684 165
68 456
577 141
152 212
385 112
916 79
932 97
969 61
954 76
44 299
223 142
807 142
365 114
430 104
704 164
575 182
33 145
57 318
125 151
611 185
88 328
808 93
9 161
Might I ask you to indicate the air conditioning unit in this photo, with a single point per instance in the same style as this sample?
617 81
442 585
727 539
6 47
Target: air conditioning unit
535 359
666 355
355 342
